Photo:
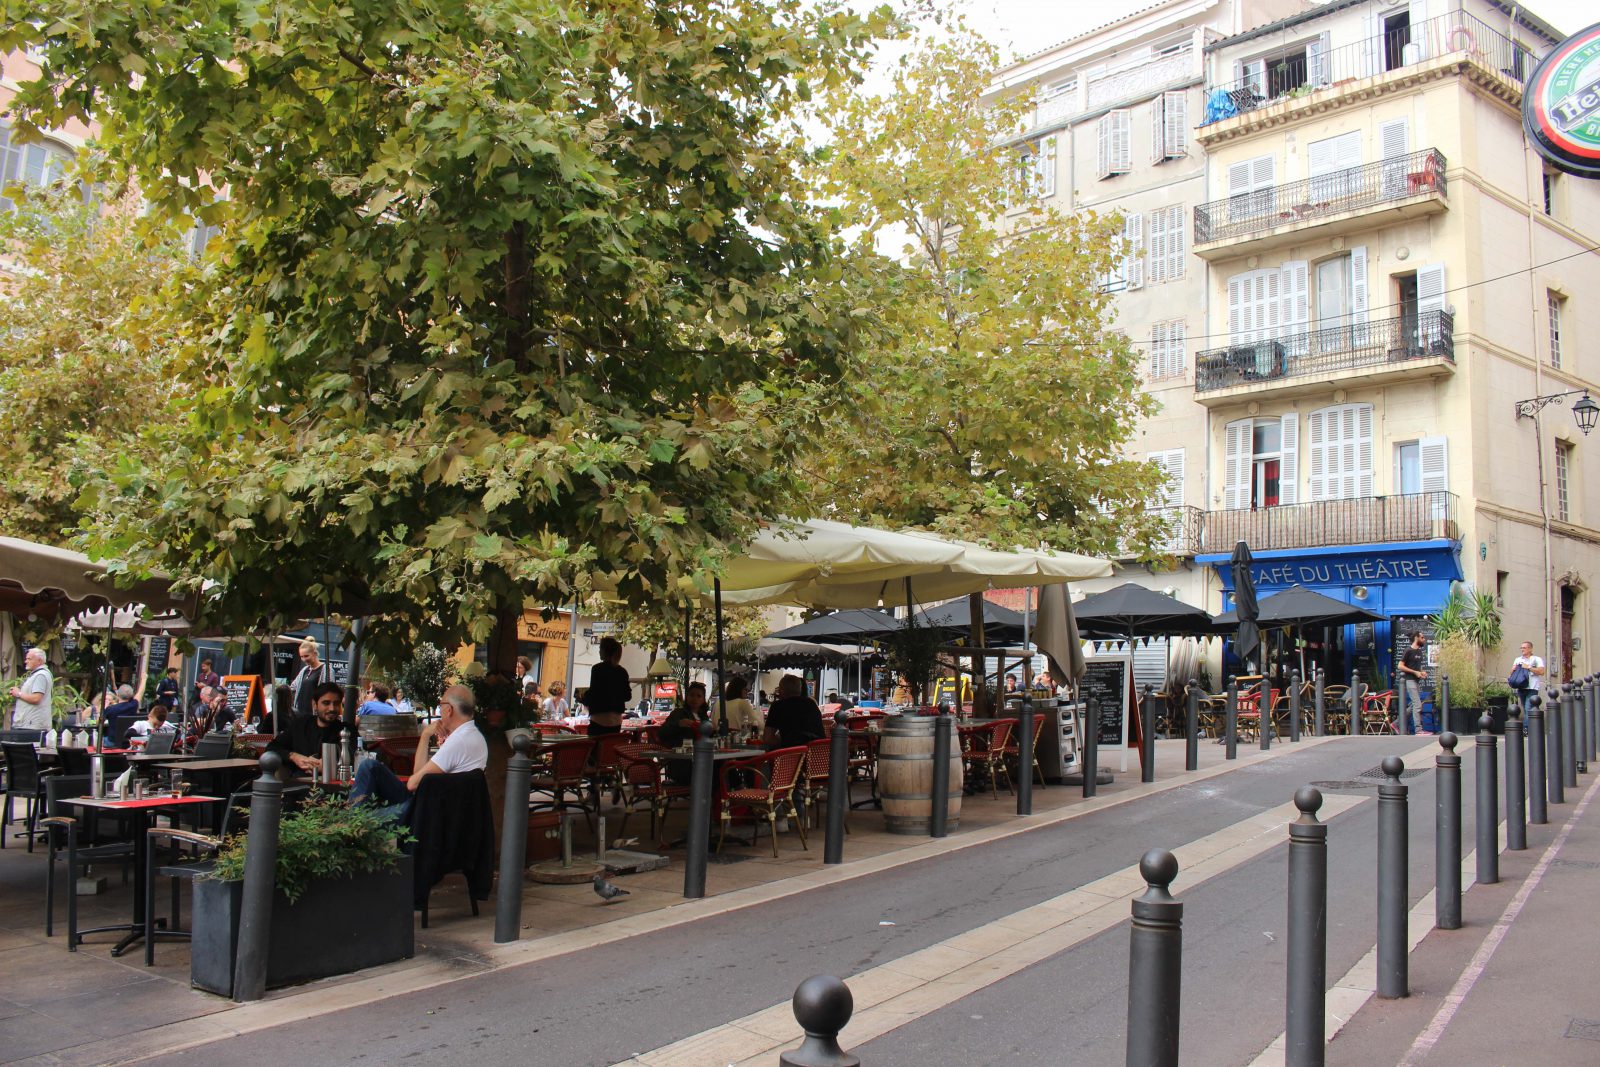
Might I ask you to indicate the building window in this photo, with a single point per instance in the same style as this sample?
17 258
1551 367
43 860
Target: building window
1128 271
1167 237
1421 466
1167 356
1564 480
1548 182
1170 493
1261 462
1037 163
1407 468
38 164
1114 143
1554 301
1340 440
1169 126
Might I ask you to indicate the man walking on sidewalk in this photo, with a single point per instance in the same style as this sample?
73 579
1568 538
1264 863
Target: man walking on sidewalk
1413 666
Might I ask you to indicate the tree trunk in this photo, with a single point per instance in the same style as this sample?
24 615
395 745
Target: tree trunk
503 643
980 701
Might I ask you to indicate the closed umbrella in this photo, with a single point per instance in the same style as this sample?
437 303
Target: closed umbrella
1245 608
1057 634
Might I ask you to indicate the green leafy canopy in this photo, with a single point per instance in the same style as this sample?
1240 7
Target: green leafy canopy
509 294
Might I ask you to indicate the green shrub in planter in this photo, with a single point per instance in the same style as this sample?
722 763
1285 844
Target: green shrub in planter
324 838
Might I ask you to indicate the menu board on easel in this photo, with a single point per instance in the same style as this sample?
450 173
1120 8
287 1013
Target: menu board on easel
1108 679
245 698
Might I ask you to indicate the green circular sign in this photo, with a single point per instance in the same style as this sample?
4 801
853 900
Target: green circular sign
1561 105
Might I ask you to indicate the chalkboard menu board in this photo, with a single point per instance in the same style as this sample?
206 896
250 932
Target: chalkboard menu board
1105 678
1401 627
245 698
160 653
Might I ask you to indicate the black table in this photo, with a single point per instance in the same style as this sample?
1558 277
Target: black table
139 811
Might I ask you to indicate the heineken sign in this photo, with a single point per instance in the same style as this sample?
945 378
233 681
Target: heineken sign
1561 106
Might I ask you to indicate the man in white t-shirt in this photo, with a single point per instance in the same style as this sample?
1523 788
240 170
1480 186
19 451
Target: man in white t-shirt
461 748
1535 668
32 710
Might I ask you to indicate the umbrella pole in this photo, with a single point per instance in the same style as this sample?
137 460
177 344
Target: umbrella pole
722 708
111 677
683 690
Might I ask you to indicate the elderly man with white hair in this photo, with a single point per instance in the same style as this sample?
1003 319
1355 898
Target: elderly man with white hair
32 710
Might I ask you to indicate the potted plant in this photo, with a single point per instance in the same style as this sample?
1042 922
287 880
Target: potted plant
913 652
1458 661
1469 632
343 900
1497 698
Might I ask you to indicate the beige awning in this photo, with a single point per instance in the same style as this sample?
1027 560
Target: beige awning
45 580
787 552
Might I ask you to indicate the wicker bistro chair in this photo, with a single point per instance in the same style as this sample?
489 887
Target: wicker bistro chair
644 780
1013 751
985 753
563 769
814 784
1336 707
777 775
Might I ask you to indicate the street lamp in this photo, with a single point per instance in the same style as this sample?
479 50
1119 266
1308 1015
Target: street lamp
1586 411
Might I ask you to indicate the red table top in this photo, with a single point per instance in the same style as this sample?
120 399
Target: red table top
136 804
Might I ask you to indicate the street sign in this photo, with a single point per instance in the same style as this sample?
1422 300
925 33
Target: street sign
1561 105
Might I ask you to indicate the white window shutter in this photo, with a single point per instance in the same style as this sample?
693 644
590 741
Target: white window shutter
1394 142
1175 114
1158 246
1289 461
1317 440
1177 238
1044 162
1122 140
1238 442
1133 233
1236 301
1372 35
1430 303
1271 307
1177 349
1239 177
1419 31
1363 450
1358 296
1102 158
1158 353
1317 61
1296 314
1320 158
1433 458
1174 486
1158 130
1395 138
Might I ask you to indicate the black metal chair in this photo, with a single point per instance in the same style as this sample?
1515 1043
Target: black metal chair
160 743
24 778
205 848
214 745
62 834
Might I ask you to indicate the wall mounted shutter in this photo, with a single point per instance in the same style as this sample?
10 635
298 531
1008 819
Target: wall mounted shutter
1358 296
1175 114
1433 463
1133 234
1430 304
1289 461
1317 62
1238 443
1295 316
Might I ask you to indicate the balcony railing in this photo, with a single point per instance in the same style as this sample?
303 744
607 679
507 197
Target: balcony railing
1372 185
1319 353
1181 533
1306 71
1362 520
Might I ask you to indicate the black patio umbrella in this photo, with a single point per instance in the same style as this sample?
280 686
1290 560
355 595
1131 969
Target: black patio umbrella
1130 611
1245 609
842 627
1299 606
1001 625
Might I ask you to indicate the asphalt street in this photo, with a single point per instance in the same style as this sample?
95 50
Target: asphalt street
606 1004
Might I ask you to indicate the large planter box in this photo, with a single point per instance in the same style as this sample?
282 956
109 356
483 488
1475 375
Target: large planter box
337 926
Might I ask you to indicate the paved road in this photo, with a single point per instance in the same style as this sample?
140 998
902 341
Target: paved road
606 1004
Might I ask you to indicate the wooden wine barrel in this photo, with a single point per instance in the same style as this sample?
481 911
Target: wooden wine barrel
905 776
375 728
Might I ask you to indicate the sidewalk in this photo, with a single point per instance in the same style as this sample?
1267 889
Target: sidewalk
1516 984
85 1007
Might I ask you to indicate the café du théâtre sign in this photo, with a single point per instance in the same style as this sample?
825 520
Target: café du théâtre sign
1561 105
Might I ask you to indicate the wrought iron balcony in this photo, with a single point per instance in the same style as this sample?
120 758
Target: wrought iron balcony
1308 202
1312 69
1360 520
1181 536
1387 344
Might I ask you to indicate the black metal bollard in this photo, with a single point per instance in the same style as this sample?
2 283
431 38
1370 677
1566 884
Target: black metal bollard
1191 728
1147 739
260 879
1353 727
1580 728
1155 965
839 792
822 1007
1444 702
1305 1003
514 842
1537 812
1488 804
1569 737
1555 761
1091 748
1230 724
1516 782
700 785
1322 711
1447 836
939 817
1294 706
1264 704
1026 726
1594 718
1393 861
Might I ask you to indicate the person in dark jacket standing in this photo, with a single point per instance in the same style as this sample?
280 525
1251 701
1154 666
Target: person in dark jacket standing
794 718
609 690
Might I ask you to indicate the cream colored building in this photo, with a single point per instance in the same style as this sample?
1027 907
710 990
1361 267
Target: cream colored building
1376 268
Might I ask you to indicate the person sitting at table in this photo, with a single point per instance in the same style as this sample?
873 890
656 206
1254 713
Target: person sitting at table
554 707
743 718
213 712
461 748
684 725
794 718
377 701
154 723
609 690
125 704
301 741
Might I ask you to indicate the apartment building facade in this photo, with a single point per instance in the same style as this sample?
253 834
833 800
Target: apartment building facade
1377 267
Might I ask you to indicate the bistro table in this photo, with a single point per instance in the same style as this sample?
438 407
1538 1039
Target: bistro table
139 811
221 777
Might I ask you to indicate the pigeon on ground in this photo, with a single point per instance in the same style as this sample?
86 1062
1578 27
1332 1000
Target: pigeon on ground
606 891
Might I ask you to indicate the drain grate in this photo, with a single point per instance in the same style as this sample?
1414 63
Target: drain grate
1334 787
1584 1029
1377 774
1582 865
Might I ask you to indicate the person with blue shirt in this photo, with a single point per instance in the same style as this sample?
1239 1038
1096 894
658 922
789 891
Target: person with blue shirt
377 702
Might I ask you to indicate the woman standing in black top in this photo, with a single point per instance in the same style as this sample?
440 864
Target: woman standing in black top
794 718
609 690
